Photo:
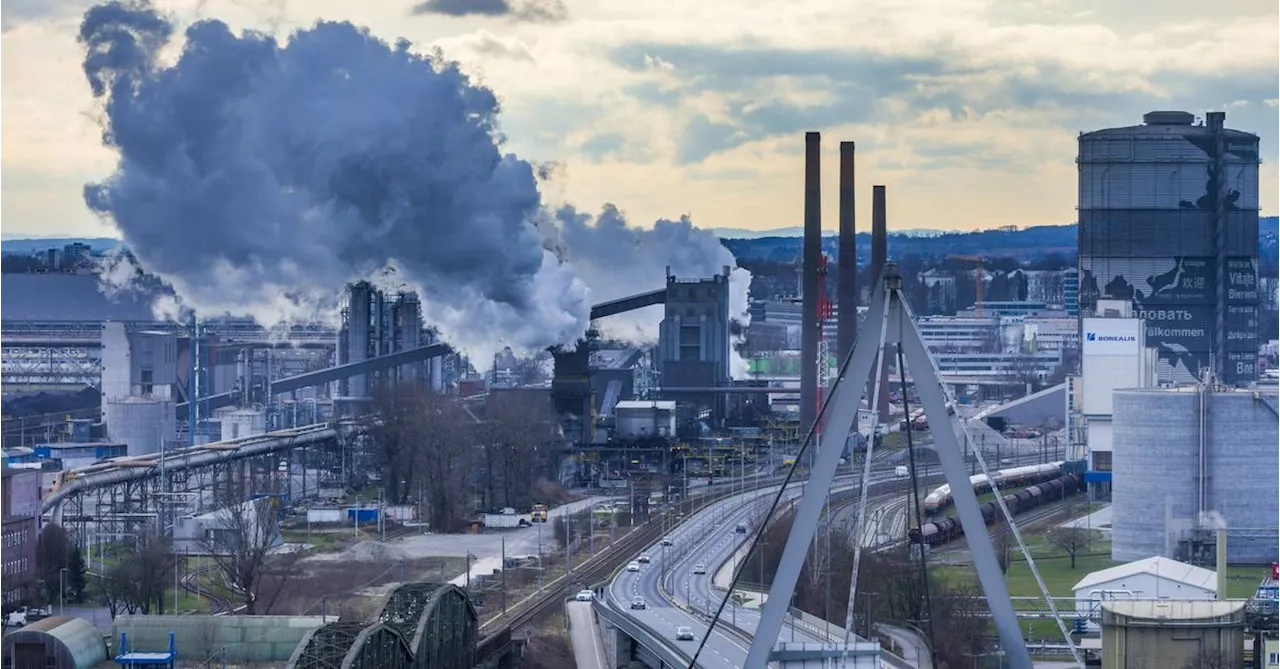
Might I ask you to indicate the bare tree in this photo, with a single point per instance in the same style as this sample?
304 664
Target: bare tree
240 540
1070 540
399 407
444 434
518 428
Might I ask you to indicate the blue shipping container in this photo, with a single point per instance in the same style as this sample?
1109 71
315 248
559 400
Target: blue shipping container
367 514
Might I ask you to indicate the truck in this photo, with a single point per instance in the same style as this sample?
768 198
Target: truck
507 518
538 514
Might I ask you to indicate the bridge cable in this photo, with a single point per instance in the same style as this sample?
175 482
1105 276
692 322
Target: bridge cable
773 506
915 494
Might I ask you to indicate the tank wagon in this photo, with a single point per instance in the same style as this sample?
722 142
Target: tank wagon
946 529
940 498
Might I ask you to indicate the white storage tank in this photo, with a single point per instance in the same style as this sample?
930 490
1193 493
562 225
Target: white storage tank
243 423
141 423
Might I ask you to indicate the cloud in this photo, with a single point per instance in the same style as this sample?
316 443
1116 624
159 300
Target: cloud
537 11
703 137
14 13
602 146
485 43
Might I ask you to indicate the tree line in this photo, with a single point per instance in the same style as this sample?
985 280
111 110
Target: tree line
456 457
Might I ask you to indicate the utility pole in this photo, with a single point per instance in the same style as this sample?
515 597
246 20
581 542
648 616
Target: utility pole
504 575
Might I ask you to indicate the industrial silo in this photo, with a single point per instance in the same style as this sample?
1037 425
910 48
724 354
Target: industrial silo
141 423
1169 220
1164 439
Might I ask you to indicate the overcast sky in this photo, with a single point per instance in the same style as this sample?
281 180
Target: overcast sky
968 110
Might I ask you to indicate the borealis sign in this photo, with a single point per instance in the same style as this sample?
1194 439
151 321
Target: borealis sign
1112 336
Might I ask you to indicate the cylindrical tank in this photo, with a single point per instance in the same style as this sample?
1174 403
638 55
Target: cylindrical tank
1149 207
141 423
1156 465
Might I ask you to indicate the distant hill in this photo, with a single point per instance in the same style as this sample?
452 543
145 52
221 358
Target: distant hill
1034 242
28 245
743 233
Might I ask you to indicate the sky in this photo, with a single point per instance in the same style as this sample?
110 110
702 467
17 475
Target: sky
967 110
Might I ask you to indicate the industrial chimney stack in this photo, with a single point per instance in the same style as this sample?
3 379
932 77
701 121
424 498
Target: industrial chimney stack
879 256
812 251
846 260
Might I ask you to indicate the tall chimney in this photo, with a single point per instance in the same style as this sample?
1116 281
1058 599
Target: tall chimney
812 251
879 256
1221 562
846 260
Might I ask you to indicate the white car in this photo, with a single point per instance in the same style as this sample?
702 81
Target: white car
699 568
684 633
633 566
585 596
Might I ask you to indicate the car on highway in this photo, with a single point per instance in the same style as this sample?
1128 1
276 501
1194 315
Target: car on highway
633 566
637 603
666 542
684 633
740 529
585 596
699 568
643 559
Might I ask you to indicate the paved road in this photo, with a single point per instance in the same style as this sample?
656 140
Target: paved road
588 649
707 538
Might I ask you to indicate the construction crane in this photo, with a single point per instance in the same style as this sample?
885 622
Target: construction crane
977 279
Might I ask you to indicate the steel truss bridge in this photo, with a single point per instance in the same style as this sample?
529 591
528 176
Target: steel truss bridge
422 626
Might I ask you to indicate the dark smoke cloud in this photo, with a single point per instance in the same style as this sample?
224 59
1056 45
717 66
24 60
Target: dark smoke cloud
258 178
542 11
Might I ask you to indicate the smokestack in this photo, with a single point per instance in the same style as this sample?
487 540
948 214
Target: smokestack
847 260
1222 562
879 256
809 301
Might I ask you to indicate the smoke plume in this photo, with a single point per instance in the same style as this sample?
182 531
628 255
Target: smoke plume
617 260
258 178
535 11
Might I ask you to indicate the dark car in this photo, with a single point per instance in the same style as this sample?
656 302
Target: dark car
638 603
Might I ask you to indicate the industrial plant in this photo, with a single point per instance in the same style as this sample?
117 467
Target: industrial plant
879 459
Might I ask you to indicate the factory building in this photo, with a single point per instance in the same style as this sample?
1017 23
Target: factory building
1191 458
376 324
140 384
694 341
21 511
1169 220
1114 355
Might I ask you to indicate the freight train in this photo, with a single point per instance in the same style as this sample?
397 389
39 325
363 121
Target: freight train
943 530
940 498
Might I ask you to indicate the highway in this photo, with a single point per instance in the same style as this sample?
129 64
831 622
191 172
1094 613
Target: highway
707 538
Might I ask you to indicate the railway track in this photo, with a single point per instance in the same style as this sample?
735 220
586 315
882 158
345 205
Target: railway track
218 604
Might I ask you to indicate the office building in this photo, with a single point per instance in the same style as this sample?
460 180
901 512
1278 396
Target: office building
21 511
1169 220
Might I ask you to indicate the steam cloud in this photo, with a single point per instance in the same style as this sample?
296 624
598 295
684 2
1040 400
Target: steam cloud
618 261
259 178
540 11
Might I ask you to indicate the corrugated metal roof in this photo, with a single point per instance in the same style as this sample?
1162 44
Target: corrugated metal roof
1159 566
69 298
80 638
647 404
1174 609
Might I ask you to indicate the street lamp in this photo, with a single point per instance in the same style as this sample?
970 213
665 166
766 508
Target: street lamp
62 586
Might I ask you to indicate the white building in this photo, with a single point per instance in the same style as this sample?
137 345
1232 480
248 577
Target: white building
1154 578
957 334
1114 356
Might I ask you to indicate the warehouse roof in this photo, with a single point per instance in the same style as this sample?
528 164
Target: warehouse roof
1159 566
75 642
45 298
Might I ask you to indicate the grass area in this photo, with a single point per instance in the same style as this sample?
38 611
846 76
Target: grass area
1060 578
321 542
